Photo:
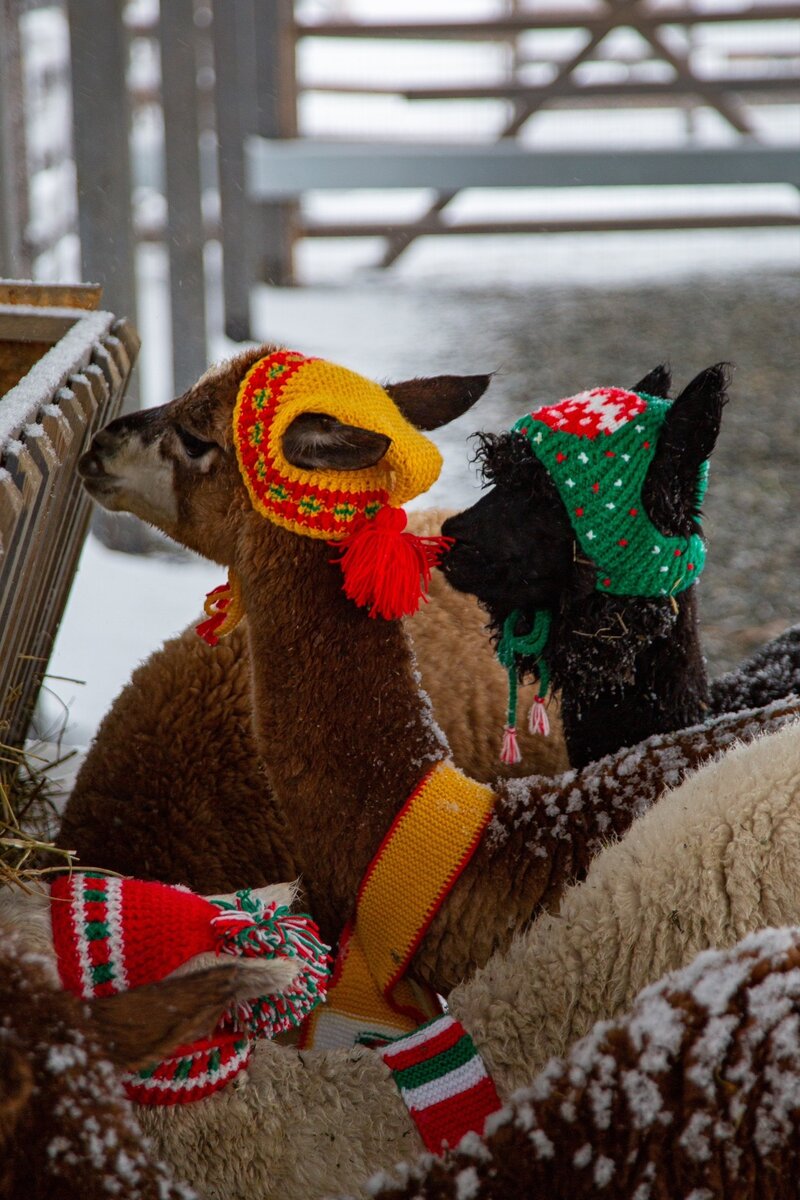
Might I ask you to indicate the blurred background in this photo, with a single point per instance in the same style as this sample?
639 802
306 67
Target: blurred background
563 193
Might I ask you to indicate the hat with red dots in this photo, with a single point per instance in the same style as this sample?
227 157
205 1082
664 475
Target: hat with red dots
597 448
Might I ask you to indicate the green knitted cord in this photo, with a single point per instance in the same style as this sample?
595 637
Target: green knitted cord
529 644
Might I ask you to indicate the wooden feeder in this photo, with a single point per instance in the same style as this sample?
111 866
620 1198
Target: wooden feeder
64 367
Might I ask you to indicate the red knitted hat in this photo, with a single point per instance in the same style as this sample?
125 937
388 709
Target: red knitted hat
112 934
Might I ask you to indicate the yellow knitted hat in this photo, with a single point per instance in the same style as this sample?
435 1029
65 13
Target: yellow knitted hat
385 568
323 504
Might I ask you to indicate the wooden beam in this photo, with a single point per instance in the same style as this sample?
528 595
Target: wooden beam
343 229
570 90
562 17
289 168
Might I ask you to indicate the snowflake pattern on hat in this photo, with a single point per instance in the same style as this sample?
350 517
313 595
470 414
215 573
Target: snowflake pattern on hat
601 410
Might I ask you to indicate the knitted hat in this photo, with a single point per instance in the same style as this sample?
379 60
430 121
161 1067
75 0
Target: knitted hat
112 934
385 568
316 503
597 448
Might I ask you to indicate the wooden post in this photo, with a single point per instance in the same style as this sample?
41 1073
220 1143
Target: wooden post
14 261
234 72
101 129
185 235
276 117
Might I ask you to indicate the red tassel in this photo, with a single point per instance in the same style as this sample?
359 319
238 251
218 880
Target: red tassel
510 752
538 721
387 569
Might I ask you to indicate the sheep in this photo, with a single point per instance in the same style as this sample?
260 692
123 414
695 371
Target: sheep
694 1092
179 736
66 1126
560 562
715 860
341 760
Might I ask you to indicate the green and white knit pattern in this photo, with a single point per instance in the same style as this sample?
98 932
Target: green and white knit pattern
98 934
599 471
443 1081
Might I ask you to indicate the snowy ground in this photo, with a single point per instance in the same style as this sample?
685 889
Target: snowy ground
549 315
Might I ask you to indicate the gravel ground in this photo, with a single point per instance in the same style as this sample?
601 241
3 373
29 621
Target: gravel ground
553 343
549 342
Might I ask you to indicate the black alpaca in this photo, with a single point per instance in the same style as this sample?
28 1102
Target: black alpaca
626 666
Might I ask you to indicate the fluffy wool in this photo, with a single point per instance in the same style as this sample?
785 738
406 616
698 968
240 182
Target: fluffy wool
716 858
180 735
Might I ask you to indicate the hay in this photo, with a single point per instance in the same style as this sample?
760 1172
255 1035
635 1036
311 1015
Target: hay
28 816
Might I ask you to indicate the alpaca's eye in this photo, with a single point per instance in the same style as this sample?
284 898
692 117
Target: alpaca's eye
195 447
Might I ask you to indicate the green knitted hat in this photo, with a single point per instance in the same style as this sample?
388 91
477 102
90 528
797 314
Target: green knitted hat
597 448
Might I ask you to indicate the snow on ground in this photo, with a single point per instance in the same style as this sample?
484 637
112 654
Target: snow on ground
121 607
420 319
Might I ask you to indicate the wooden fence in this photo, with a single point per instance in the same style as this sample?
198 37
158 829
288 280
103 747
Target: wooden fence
205 135
63 373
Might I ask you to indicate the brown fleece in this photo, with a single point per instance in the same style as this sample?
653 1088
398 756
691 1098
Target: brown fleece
173 787
695 1089
357 737
66 1127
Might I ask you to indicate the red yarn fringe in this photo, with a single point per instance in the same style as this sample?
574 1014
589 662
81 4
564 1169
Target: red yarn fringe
387 569
510 752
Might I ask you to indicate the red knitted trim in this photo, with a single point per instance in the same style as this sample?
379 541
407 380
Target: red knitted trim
446 1123
400 1060
295 500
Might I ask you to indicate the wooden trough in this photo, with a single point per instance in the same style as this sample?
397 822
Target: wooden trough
64 367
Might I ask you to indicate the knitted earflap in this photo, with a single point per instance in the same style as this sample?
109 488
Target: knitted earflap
386 569
597 448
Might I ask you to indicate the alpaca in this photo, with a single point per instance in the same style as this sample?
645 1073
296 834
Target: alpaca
626 661
179 736
66 1127
693 1093
715 860
320 730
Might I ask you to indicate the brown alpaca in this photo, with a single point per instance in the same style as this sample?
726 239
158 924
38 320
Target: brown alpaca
694 1092
180 736
345 733
66 1126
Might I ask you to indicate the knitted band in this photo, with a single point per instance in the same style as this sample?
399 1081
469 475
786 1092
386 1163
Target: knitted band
428 845
191 1074
443 1081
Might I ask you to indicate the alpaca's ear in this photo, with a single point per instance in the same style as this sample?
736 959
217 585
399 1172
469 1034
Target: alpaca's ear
146 1023
429 403
687 439
656 382
316 441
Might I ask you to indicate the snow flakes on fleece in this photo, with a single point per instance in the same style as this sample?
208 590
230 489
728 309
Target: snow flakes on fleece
694 1094
591 805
